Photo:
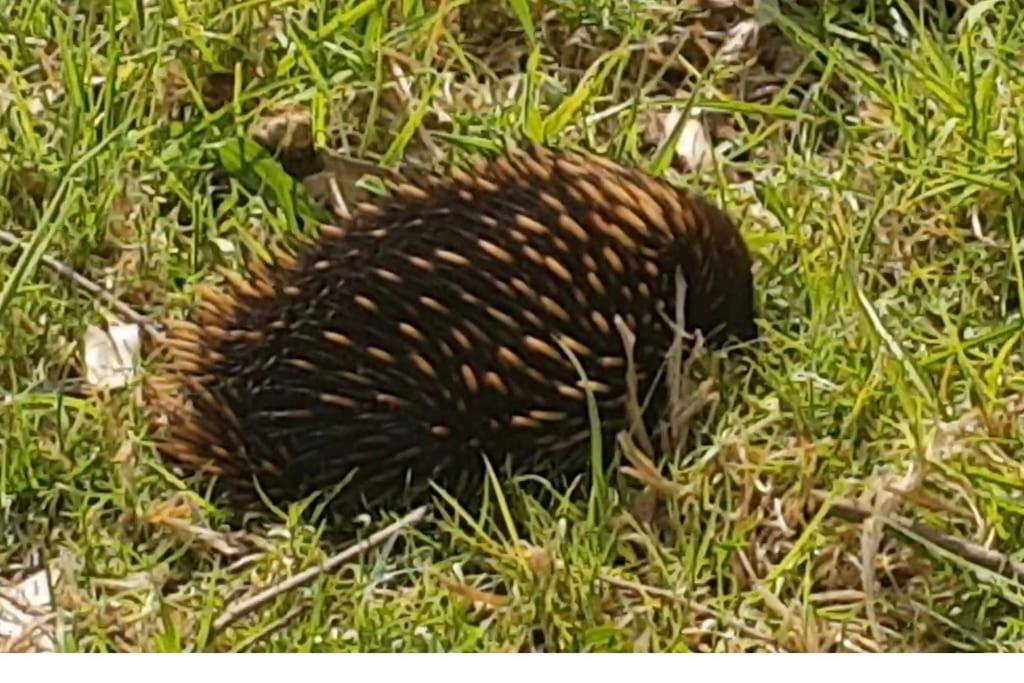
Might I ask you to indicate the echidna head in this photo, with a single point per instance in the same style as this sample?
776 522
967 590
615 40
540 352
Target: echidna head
737 316
720 281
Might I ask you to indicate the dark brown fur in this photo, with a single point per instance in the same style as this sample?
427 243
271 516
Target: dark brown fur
433 328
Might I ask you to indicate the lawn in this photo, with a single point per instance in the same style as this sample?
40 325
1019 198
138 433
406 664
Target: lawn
852 482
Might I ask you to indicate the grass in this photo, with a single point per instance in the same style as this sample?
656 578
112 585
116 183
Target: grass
874 163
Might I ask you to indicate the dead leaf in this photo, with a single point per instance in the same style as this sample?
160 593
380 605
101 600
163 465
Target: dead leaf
740 41
694 145
111 355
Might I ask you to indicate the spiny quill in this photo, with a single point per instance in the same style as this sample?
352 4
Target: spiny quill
434 326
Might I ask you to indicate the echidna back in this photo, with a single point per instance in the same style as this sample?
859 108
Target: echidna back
442 324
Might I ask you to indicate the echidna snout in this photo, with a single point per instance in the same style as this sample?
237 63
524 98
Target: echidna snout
443 324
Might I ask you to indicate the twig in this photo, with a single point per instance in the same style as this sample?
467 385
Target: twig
69 273
338 206
695 607
972 552
675 361
635 412
249 605
271 628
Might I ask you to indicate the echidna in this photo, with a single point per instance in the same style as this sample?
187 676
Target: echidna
440 325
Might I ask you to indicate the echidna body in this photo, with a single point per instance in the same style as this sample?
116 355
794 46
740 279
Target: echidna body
441 325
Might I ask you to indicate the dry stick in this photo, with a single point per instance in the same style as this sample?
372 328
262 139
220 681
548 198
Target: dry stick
271 628
338 206
633 409
244 607
696 607
675 361
69 273
978 554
